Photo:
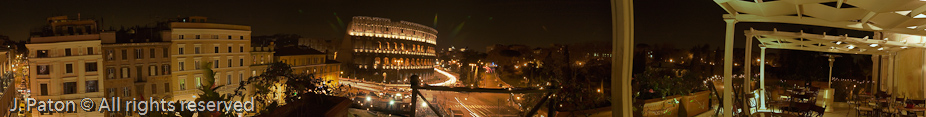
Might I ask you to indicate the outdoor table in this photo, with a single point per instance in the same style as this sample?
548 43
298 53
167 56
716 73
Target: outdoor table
913 109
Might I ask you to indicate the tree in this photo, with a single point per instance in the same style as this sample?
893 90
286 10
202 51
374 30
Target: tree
208 87
280 76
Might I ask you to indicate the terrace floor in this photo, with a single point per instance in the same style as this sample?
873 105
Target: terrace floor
840 109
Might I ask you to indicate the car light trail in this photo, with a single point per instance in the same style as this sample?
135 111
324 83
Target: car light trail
450 78
467 108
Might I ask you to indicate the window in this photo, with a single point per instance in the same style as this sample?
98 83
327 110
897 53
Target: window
138 74
125 54
182 84
196 81
240 77
92 86
165 52
181 36
196 64
70 87
240 48
43 69
229 36
44 88
139 54
165 69
181 50
89 50
111 73
229 62
229 49
228 79
41 53
126 92
112 92
197 36
241 62
154 88
125 72
241 37
215 64
90 67
180 66
152 54
196 49
153 70
216 49
67 52
166 87
68 68
109 55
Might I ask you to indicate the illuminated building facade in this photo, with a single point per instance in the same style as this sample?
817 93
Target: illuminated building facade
65 61
136 64
195 42
381 50
305 60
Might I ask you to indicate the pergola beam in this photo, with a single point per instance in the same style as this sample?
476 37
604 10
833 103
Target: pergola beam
868 17
889 46
917 11
839 3
727 7
820 22
800 11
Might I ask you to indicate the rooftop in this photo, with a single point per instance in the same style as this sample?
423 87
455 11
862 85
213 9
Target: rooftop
301 50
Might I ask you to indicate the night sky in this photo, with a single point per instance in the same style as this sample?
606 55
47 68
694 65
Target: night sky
462 23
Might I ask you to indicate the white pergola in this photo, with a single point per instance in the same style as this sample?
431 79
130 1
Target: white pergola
903 22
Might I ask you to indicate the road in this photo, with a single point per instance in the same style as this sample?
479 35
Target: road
471 104
474 104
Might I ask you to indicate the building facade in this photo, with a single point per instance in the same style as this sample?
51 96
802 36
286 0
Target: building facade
329 47
261 57
305 60
381 50
136 64
195 42
65 61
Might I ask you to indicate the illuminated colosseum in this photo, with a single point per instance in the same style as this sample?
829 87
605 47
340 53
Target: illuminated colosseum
380 50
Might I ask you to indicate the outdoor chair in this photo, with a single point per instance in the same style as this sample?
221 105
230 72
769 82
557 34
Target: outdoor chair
773 103
918 103
816 111
888 109
862 108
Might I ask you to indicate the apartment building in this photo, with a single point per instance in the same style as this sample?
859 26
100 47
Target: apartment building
195 42
65 62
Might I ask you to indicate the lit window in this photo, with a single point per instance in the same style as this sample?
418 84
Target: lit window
182 84
196 82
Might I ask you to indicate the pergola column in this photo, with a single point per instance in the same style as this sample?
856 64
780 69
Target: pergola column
728 68
762 77
747 74
875 74
622 66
